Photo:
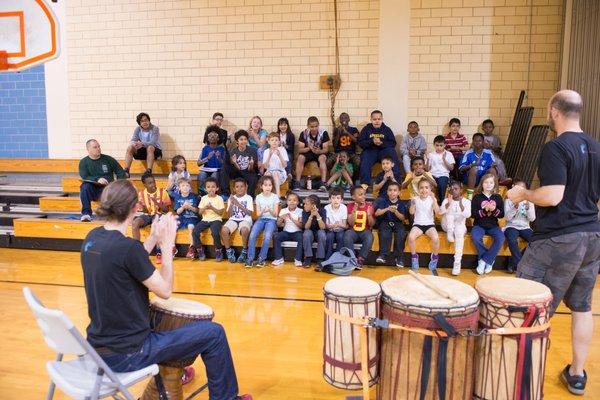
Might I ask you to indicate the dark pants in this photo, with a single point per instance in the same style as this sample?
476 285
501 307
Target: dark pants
308 238
512 239
284 236
89 192
334 237
369 157
204 338
365 237
455 173
232 173
442 184
288 167
483 253
386 233
215 230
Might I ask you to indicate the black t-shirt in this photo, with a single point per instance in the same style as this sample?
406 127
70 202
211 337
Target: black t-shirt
317 140
243 157
384 188
314 226
573 160
343 143
114 267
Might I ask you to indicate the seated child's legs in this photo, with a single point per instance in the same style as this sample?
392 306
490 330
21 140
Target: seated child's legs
138 223
406 163
442 184
366 239
435 240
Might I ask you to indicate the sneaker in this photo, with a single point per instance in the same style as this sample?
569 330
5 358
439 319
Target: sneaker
188 375
248 264
230 255
319 266
260 263
574 383
510 269
306 263
148 170
414 263
277 262
86 218
380 260
297 186
361 262
200 254
480 267
158 258
433 266
297 263
127 174
365 186
242 257
488 268
323 188
456 269
218 255
175 251
450 235
470 194
399 262
191 253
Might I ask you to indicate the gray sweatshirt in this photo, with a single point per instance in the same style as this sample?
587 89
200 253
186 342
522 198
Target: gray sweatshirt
149 137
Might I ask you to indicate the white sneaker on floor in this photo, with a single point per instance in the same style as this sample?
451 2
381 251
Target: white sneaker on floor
450 235
380 260
456 270
277 262
488 268
481 267
86 218
297 263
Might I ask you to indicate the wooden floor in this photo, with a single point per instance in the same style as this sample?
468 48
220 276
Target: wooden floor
273 318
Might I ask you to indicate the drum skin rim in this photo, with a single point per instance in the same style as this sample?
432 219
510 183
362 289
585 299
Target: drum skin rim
352 299
422 310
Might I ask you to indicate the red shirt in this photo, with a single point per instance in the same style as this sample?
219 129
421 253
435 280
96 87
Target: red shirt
452 144
362 221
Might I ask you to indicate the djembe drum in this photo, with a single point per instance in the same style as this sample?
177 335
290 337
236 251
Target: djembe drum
512 366
168 315
349 298
422 357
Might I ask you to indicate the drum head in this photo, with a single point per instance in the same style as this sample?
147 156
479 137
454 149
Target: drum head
352 286
410 292
513 290
176 305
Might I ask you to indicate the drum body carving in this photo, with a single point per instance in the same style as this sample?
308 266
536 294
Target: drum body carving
168 315
414 365
353 297
510 366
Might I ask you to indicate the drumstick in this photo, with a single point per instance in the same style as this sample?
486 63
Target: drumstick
432 286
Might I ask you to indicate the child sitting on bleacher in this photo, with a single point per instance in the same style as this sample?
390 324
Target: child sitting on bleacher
492 142
342 172
517 218
240 207
390 212
185 204
244 161
152 202
345 139
336 217
211 158
313 221
361 222
267 209
290 218
385 177
440 163
178 172
413 145
211 208
412 179
274 161
487 206
424 207
476 163
457 144
455 209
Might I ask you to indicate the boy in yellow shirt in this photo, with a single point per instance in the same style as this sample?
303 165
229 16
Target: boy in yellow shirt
211 209
418 173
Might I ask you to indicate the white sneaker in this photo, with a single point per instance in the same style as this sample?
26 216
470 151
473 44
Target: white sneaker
380 260
277 262
86 218
297 263
488 268
450 235
456 270
481 267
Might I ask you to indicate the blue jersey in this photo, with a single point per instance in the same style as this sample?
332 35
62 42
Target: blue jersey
484 161
384 202
187 216
216 161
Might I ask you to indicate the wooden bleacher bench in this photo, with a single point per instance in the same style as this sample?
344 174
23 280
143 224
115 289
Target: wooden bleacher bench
70 184
70 229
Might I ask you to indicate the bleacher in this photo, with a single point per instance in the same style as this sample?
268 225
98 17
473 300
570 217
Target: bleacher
49 218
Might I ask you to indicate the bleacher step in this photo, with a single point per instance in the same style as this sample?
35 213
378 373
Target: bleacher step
11 197
7 218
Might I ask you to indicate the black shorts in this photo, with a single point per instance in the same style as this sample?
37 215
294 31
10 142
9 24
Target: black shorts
424 228
142 153
568 264
310 156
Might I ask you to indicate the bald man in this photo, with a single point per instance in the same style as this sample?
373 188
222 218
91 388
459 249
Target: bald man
96 171
564 253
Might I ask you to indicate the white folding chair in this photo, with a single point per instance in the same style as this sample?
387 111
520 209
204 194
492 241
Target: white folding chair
86 377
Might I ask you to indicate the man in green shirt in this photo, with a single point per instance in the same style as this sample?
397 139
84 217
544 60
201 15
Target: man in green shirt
96 171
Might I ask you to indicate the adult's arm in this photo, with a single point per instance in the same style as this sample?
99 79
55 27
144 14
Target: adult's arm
84 173
161 282
117 169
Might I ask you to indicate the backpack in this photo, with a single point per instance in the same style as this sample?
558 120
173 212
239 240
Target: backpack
342 262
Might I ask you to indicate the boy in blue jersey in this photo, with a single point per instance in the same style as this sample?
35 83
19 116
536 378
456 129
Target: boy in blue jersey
477 162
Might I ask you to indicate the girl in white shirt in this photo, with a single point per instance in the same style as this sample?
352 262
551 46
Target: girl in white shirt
424 207
455 210
274 161
290 218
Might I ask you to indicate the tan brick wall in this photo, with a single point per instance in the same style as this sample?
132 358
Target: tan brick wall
470 59
180 61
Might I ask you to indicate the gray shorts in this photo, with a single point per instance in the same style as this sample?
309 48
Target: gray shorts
567 264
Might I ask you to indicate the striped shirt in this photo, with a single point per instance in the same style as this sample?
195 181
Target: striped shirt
453 144
147 201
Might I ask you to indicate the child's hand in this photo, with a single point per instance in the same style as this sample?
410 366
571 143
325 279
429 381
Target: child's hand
210 155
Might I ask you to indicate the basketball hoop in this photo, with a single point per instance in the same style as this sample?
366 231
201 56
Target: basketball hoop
28 34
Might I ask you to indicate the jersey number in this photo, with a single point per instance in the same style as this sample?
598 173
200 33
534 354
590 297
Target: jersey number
345 141
360 223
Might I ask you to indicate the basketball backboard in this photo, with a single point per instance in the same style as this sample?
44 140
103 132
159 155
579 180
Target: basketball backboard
28 34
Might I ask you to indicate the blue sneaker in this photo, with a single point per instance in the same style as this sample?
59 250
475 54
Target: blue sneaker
433 266
414 263
260 263
243 255
230 255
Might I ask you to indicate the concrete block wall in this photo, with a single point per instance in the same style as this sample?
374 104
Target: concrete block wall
470 59
23 127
